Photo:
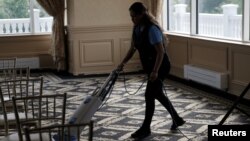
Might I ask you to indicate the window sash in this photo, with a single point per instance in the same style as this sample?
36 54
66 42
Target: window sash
194 20
246 21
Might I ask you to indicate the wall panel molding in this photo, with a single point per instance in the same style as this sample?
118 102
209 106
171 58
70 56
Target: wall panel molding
125 44
134 62
97 29
239 68
177 50
100 49
211 55
96 53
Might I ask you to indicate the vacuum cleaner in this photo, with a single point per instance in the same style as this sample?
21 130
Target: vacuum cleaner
90 105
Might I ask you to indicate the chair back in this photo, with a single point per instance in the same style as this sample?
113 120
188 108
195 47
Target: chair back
42 110
60 132
14 73
21 87
7 63
17 88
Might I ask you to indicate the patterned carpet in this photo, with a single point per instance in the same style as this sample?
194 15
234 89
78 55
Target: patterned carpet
123 113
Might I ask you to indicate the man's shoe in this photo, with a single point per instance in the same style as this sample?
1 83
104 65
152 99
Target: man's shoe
141 133
177 123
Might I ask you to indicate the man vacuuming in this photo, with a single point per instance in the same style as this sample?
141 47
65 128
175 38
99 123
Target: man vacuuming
149 40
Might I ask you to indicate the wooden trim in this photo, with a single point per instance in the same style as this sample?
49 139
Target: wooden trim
8 39
97 29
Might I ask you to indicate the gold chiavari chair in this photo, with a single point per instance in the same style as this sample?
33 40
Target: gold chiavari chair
67 132
16 88
14 73
43 110
7 63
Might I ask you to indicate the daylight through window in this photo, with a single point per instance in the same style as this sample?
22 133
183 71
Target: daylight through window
23 17
210 18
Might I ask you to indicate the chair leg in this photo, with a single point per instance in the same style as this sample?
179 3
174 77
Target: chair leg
91 131
27 134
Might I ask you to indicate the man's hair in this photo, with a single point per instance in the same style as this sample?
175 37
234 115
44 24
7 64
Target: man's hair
138 8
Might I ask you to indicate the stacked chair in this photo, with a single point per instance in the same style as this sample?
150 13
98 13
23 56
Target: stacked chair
7 63
44 110
16 88
59 132
14 73
47 110
28 115
13 82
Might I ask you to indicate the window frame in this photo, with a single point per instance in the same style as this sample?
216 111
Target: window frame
246 21
194 22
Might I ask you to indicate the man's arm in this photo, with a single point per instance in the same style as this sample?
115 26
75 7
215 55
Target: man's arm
128 56
159 57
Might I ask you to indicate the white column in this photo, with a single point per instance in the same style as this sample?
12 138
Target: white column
228 10
1 28
7 28
246 21
36 20
164 15
180 10
13 27
193 18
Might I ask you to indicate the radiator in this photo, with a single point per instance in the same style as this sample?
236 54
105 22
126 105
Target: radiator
31 62
207 77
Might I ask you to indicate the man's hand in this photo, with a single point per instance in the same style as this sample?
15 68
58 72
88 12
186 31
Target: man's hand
153 76
120 67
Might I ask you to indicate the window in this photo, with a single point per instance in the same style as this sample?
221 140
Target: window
220 18
23 17
224 19
178 15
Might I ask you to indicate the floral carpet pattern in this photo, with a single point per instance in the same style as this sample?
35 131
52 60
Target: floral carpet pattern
123 112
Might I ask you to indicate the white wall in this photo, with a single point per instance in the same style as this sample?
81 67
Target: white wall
99 12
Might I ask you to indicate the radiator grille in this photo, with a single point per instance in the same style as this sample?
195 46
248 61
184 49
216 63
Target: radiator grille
32 62
208 77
